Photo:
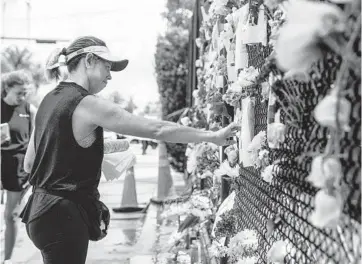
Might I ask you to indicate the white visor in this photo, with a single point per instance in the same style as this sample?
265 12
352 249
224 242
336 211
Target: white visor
103 52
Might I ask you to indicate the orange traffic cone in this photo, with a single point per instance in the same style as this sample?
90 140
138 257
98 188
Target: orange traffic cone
129 198
165 187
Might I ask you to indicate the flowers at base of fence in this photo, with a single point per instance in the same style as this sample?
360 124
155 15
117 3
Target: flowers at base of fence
183 258
199 205
206 174
263 154
298 45
326 113
202 213
244 243
200 201
258 142
221 66
164 258
217 250
242 247
328 209
326 172
230 166
175 237
247 260
202 157
222 218
276 134
258 151
277 252
233 95
247 76
176 209
232 153
218 7
267 173
261 160
242 87
225 169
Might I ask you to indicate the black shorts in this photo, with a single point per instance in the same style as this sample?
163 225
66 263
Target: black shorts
60 234
13 176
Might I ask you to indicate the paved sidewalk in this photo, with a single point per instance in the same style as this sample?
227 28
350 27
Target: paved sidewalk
152 246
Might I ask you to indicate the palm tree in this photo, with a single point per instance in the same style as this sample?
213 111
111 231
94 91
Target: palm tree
14 58
17 58
5 66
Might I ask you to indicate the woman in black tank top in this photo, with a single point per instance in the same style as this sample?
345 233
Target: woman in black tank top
64 173
16 116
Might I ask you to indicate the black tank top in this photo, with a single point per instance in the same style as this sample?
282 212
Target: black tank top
60 163
13 152
19 120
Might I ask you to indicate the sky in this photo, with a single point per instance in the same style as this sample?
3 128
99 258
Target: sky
129 27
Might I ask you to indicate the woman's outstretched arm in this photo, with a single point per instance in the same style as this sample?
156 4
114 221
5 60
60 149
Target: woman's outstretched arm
99 112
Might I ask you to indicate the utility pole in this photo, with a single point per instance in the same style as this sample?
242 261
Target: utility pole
3 16
28 18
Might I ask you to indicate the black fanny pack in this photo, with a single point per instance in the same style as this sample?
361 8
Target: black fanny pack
94 211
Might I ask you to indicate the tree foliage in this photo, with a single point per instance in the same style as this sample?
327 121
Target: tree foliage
171 68
15 58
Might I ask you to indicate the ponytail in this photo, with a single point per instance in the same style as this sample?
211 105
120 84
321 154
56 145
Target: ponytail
55 68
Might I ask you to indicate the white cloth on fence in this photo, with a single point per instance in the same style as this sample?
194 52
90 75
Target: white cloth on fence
230 60
241 54
247 130
215 37
219 81
256 33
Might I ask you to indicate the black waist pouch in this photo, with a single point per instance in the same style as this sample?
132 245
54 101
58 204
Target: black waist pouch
97 218
94 212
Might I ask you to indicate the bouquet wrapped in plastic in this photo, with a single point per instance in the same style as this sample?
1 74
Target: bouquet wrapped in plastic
117 159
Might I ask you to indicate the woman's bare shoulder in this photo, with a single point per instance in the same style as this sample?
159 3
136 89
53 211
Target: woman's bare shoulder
93 110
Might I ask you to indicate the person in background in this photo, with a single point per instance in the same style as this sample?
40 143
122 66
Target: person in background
66 150
16 124
144 146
